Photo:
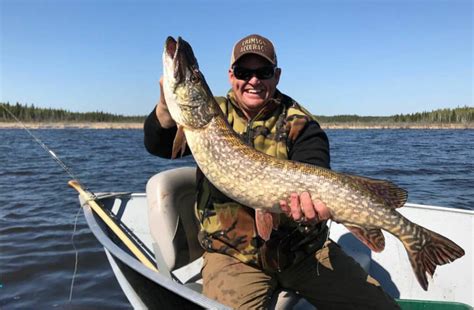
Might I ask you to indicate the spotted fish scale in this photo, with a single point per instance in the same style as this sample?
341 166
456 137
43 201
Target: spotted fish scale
365 206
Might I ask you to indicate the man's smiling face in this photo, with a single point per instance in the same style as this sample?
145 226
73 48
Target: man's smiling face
252 95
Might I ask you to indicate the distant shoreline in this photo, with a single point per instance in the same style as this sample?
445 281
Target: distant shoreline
72 125
397 126
125 125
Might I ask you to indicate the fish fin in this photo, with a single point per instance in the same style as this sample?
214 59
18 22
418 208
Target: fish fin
276 220
372 238
392 195
264 221
179 143
437 250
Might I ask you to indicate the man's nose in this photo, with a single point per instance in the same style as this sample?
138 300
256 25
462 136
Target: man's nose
254 79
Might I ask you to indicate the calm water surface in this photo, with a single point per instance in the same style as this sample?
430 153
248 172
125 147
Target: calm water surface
38 209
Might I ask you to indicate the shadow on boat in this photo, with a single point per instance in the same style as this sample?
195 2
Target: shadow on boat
363 255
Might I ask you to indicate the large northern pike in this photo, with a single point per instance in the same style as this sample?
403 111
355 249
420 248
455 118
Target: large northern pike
365 206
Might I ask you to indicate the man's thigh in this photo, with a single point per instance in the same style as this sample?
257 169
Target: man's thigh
333 280
234 283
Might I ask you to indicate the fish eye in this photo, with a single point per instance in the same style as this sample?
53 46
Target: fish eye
195 76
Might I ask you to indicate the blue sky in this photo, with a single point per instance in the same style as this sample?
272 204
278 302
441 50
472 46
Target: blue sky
337 57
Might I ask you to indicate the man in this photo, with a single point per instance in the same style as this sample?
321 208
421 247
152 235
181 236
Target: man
249 255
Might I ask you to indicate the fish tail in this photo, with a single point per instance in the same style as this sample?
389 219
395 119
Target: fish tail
431 250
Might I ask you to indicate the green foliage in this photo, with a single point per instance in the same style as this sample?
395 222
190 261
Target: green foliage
458 115
352 119
31 113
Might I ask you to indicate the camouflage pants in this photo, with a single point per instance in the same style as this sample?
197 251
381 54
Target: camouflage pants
329 279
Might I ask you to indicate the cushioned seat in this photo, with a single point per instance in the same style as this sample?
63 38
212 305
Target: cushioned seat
173 225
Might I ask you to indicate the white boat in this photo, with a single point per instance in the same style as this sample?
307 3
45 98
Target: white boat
162 225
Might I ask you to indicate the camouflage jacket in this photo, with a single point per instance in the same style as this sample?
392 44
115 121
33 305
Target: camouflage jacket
283 129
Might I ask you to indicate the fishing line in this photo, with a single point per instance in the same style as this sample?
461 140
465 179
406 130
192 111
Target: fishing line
47 149
76 253
134 243
71 174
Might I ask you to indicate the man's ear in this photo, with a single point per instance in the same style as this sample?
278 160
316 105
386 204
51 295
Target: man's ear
277 74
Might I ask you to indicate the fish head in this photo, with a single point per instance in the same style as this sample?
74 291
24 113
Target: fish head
188 97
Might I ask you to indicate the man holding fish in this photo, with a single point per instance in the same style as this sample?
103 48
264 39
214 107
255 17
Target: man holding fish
250 254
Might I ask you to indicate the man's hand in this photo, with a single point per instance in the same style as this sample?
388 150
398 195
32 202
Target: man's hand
162 112
303 209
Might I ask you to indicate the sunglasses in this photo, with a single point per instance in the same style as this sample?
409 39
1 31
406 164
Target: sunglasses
263 73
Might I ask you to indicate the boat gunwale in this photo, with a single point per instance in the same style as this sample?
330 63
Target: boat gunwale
104 195
179 289
413 205
175 287
438 208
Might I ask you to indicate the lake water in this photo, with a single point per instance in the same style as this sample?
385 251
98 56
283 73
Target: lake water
38 210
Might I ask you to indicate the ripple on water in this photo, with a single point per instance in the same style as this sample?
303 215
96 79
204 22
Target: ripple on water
38 209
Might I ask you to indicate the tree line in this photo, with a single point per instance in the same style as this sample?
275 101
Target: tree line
457 115
30 113
460 115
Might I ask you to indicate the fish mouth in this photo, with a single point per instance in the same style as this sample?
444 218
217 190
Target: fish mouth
172 47
184 64
173 52
180 51
181 57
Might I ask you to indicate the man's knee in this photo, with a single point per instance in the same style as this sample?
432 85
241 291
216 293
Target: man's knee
234 283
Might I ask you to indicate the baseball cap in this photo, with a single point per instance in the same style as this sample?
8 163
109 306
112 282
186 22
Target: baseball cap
254 44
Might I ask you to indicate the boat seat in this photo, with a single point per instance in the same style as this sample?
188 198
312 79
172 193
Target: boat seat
174 227
171 196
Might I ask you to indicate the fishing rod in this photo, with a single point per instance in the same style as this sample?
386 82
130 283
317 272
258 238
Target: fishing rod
128 238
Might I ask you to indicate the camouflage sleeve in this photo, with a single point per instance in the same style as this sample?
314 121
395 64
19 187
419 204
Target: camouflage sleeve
158 140
311 146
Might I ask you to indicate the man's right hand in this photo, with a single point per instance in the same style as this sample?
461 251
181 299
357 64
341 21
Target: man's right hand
302 209
162 112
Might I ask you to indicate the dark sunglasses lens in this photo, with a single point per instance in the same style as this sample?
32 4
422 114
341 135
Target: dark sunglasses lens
263 73
242 73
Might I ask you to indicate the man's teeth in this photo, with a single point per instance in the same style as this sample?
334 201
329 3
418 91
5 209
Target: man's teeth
254 91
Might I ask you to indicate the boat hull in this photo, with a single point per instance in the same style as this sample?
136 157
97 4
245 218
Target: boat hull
144 288
452 283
